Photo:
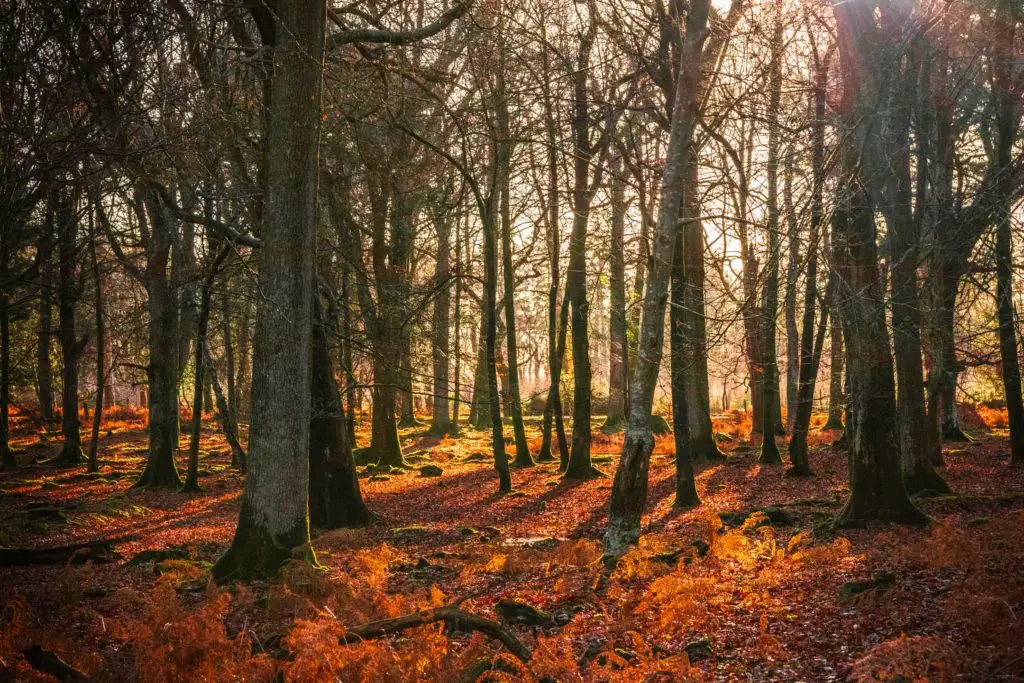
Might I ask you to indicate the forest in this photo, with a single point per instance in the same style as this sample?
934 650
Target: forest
511 340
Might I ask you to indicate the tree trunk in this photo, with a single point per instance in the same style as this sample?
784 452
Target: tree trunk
618 356
504 173
226 416
101 361
629 491
163 372
479 409
810 354
440 421
769 448
793 347
686 489
490 347
335 500
579 465
6 456
877 491
274 520
836 400
703 447
44 367
201 372
1008 115
68 293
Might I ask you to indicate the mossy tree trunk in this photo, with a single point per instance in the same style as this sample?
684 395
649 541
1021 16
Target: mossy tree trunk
273 524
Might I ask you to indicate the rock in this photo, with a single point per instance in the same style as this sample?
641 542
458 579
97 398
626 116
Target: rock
380 477
549 543
775 516
157 556
879 581
698 650
431 471
669 557
659 425
412 534
477 457
515 612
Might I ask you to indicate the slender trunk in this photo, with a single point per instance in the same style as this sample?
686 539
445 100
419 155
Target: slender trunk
809 362
618 356
225 415
504 173
629 491
385 443
201 352
101 361
810 355
769 448
440 422
681 369
703 447
274 521
480 410
6 456
793 347
458 329
44 366
579 465
68 292
490 346
836 400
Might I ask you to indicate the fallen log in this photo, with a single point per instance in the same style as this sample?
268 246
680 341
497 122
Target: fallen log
450 615
50 663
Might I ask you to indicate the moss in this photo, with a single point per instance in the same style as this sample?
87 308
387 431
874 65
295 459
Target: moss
255 553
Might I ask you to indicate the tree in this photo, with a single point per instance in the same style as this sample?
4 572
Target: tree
274 519
877 491
629 490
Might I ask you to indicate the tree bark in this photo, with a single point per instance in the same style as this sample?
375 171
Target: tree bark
101 361
68 293
335 500
163 372
440 421
44 366
629 490
504 173
618 355
877 492
769 448
703 447
681 369
1008 116
274 524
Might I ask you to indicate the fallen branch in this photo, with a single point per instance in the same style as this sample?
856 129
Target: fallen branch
95 551
450 615
49 662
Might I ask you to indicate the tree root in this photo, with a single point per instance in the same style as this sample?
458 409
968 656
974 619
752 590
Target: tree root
450 615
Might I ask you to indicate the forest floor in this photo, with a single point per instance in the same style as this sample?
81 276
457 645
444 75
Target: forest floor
752 585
